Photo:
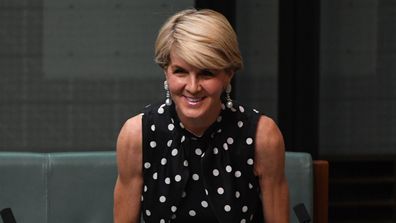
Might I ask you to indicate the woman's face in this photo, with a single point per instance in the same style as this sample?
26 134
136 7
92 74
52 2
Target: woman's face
195 92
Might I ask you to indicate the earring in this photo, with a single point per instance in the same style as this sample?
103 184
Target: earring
168 101
229 103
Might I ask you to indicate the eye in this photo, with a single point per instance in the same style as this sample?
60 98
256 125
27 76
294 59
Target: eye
206 72
178 70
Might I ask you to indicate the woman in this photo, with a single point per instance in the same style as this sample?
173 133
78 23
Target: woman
199 156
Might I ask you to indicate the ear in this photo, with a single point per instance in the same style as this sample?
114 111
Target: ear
230 75
165 70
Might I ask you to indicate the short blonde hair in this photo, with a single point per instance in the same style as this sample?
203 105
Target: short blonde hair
203 38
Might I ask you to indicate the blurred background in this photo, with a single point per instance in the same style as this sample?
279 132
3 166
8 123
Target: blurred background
73 71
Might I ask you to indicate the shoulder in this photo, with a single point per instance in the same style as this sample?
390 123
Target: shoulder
269 148
268 135
130 133
129 146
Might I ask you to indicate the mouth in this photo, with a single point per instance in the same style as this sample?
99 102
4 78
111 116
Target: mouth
193 100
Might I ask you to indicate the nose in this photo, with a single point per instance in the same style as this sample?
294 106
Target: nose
193 85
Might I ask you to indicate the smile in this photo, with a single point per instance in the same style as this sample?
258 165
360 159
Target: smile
193 100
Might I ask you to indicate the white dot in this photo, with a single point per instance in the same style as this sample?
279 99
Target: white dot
173 209
185 163
230 140
220 190
147 165
215 172
249 141
198 151
142 198
192 213
163 161
241 109
162 199
240 124
183 138
228 168
251 217
162 221
195 176
206 192
169 143
173 216
227 208
167 180
223 106
250 161
181 125
238 173
171 127
255 110
153 144
215 150
153 128
155 176
219 119
225 146
204 204
219 131
244 209
148 212
145 188
243 221
250 186
161 110
237 194
177 178
174 152
184 194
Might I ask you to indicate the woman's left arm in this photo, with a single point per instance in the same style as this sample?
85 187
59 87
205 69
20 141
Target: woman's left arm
269 166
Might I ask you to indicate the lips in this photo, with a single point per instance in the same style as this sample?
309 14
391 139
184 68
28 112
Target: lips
193 100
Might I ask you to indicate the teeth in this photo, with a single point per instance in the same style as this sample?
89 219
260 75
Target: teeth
193 99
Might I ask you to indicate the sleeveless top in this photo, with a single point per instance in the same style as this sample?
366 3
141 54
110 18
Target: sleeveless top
200 179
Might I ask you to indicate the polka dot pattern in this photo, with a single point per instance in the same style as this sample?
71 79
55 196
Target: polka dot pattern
212 172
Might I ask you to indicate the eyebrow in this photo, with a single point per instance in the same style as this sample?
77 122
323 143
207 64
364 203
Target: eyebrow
177 67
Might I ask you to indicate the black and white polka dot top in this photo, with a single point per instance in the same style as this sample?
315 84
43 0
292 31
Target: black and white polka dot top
200 179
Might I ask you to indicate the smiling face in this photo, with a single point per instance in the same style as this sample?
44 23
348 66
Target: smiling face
195 92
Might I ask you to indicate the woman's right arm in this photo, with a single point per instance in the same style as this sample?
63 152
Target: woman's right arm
128 188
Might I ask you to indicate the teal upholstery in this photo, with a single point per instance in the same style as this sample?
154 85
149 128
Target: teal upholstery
58 187
299 173
77 187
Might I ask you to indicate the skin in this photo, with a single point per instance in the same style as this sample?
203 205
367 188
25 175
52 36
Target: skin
196 94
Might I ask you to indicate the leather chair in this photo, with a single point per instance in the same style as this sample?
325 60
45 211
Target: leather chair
78 186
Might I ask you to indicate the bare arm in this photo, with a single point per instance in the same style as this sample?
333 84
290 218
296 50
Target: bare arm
129 183
270 168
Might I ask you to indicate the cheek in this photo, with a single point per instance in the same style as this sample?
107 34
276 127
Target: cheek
174 84
216 88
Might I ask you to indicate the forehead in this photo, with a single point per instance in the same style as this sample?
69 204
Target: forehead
176 60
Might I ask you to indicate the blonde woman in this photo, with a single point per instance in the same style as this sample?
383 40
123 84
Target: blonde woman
199 156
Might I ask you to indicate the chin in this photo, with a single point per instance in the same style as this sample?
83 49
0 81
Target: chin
193 112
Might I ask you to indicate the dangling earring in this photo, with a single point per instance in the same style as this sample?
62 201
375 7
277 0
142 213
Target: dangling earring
229 103
168 101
